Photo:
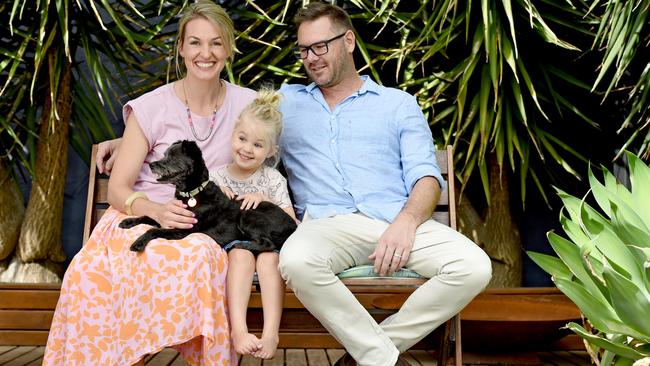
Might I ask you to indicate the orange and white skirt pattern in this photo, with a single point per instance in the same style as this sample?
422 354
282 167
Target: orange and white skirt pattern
117 306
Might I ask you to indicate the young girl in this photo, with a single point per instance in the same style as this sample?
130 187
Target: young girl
252 178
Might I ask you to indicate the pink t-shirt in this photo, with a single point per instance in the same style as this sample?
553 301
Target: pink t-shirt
162 116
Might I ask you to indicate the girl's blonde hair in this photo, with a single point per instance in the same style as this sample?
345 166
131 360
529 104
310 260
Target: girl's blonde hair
215 14
264 110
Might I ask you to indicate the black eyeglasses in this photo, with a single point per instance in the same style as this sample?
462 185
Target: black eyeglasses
318 48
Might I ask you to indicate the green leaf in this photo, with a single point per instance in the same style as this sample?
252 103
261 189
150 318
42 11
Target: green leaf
367 58
507 8
632 304
620 349
600 313
617 253
571 256
642 256
530 86
640 179
552 265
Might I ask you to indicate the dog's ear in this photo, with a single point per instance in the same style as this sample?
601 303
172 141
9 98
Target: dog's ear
191 148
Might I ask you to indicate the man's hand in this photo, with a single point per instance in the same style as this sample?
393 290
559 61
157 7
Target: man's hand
106 154
251 200
395 245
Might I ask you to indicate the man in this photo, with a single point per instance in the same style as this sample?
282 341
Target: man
361 164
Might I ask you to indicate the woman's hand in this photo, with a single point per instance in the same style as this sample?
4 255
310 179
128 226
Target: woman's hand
174 215
251 200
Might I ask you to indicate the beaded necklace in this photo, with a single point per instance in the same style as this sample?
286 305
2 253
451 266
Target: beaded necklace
213 121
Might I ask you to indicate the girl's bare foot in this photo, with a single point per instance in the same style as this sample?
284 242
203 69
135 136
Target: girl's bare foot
245 343
269 346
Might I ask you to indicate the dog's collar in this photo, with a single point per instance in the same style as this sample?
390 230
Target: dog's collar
192 201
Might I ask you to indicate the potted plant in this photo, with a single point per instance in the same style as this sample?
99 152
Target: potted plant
604 265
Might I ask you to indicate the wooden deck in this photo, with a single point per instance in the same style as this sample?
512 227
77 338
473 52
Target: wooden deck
33 356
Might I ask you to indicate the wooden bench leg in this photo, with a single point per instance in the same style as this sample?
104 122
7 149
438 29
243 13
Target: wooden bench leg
450 334
458 359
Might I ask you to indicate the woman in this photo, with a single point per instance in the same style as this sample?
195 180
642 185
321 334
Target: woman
117 306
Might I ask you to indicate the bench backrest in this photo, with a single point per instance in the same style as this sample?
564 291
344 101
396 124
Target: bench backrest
97 202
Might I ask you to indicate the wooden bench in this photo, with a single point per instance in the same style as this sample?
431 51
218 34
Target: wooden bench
26 315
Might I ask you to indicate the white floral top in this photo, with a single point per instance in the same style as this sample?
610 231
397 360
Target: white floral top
266 180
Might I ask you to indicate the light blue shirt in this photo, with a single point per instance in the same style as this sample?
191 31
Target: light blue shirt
364 156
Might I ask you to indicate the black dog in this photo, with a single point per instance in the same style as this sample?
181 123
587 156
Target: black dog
265 227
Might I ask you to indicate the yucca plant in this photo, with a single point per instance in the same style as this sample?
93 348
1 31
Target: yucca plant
63 63
604 265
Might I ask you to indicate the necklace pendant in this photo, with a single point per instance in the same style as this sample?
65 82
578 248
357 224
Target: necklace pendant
191 202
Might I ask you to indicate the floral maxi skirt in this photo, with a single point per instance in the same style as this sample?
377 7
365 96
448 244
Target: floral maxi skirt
117 306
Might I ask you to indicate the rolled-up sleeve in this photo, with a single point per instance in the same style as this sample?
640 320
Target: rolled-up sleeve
416 145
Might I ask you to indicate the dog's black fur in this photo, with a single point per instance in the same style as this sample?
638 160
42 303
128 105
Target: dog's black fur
265 227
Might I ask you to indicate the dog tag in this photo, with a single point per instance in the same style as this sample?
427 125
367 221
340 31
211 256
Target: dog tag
191 202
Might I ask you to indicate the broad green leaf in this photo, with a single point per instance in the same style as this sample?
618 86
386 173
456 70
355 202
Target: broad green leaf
600 313
552 265
632 304
629 227
591 221
642 256
612 184
620 349
640 179
617 253
571 256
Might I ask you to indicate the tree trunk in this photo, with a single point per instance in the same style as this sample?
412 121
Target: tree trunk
40 235
12 210
497 234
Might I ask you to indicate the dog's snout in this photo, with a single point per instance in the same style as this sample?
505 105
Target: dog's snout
155 166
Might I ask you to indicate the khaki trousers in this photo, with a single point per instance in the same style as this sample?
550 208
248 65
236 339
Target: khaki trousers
309 260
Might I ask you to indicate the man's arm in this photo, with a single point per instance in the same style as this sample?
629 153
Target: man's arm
395 243
106 154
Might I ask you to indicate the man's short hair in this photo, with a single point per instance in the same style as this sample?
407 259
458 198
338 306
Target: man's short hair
316 10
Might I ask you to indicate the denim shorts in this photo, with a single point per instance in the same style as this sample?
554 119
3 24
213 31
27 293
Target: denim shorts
244 244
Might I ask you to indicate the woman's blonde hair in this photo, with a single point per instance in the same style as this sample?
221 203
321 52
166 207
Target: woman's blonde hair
264 110
208 10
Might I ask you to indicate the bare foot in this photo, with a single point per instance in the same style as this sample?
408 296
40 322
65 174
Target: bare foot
245 343
269 346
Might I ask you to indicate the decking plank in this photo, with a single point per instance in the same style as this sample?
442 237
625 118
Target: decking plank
15 353
333 354
162 358
277 360
33 356
317 357
422 358
249 360
36 362
27 358
179 361
4 349
295 357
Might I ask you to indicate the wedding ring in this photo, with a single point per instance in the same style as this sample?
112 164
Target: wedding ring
397 255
